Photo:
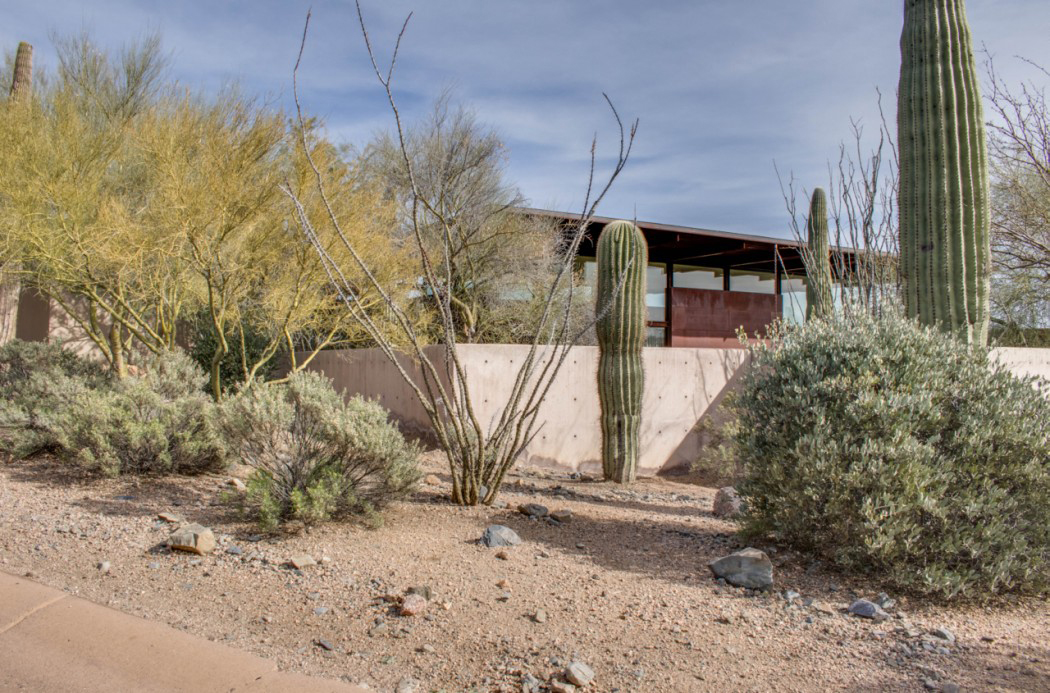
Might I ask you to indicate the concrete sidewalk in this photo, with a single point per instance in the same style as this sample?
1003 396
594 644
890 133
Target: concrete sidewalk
53 641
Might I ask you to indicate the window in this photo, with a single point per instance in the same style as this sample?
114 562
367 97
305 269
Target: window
656 292
752 282
793 301
686 277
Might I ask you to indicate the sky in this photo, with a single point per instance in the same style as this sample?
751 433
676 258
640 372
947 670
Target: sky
722 90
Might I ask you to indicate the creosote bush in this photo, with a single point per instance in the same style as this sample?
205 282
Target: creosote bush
894 450
315 455
57 402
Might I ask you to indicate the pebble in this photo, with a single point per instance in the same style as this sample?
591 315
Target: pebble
194 538
866 609
234 550
428 648
579 674
563 516
103 567
943 634
321 611
170 517
562 687
301 561
748 568
540 616
533 510
413 605
325 645
407 685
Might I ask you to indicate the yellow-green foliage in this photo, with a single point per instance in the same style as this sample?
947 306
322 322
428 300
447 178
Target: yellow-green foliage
897 451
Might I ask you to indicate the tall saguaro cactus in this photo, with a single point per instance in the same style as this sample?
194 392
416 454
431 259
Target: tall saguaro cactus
819 300
622 261
943 194
23 75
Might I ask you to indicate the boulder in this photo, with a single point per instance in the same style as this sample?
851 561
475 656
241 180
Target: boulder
748 568
194 538
728 503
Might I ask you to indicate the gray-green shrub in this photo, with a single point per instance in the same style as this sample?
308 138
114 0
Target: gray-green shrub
69 406
897 451
315 455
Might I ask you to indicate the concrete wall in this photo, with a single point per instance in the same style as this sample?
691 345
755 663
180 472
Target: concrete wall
682 388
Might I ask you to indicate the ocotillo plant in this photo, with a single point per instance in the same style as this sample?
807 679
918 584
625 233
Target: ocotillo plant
23 74
943 194
819 301
620 306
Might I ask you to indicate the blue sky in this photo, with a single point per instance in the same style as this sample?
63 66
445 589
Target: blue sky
722 89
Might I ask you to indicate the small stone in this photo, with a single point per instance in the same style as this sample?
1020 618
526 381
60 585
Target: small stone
562 687
728 503
154 565
321 611
301 561
540 616
171 518
194 538
884 601
234 550
950 687
237 484
503 555
378 629
427 648
533 510
563 516
503 584
531 684
432 480
413 604
499 504
499 535
943 634
325 645
866 609
748 568
579 674
103 567
791 595
505 597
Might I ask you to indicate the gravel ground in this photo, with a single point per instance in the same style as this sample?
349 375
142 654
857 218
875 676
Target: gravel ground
623 587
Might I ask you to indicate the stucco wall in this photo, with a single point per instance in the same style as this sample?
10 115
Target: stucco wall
1025 361
681 386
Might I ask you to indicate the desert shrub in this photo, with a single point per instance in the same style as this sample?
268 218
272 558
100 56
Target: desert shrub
315 455
895 450
159 422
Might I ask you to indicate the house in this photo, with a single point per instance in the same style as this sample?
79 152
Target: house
704 285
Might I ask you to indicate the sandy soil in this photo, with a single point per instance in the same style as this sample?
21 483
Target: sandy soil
623 587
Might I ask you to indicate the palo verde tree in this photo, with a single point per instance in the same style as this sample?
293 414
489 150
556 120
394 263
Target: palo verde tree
479 452
943 197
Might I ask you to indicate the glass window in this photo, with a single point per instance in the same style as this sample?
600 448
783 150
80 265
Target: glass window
686 277
655 336
656 292
793 301
752 282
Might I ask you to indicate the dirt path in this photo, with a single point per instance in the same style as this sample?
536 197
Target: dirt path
623 587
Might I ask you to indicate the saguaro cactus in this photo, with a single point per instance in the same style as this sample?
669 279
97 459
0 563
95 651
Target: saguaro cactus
943 194
819 300
622 261
23 75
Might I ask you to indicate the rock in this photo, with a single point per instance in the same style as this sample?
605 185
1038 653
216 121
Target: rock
533 510
943 634
579 674
562 687
503 555
950 687
791 595
499 535
413 605
302 561
378 629
407 685
325 645
884 601
499 504
154 565
427 648
103 567
866 609
531 684
749 568
194 538
563 516
321 611
237 484
540 616
234 550
171 518
432 480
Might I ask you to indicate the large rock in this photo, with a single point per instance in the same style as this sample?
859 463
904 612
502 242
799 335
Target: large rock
499 535
728 503
194 538
749 568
